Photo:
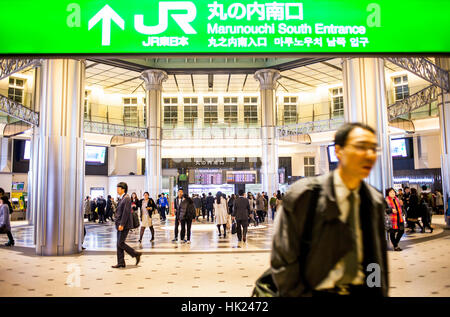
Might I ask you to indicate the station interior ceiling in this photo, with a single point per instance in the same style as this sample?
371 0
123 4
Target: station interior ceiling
192 75
192 78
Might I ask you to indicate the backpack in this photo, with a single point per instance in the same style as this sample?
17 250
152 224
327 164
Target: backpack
265 285
190 211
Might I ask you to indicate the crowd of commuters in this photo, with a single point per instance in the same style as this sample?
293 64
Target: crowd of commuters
240 210
407 209
100 209
222 211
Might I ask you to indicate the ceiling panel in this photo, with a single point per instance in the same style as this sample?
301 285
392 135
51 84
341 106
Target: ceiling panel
315 74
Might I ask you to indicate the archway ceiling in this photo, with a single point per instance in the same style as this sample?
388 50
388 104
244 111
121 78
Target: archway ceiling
231 75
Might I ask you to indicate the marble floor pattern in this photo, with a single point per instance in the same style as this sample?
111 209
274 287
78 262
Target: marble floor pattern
210 266
204 237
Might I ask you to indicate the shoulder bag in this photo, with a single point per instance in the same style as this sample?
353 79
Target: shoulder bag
136 222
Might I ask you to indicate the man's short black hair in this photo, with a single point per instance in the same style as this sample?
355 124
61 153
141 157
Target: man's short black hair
424 187
241 192
342 133
124 186
2 191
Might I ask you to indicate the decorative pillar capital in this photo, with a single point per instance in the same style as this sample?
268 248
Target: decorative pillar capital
267 78
154 78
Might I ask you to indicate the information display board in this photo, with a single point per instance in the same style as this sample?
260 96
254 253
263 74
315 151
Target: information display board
208 177
229 26
18 186
398 148
95 154
241 177
332 158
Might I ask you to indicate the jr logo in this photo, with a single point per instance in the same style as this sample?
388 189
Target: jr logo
182 19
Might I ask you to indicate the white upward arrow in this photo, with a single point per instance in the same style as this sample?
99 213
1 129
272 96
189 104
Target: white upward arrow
106 15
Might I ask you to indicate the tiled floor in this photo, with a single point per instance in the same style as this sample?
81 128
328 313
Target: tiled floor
103 237
210 266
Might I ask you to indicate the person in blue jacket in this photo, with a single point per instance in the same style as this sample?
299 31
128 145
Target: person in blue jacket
164 206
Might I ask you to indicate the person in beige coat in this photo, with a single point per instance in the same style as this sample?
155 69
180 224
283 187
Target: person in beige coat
221 212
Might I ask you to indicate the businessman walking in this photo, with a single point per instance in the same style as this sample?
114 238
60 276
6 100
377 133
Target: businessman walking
124 224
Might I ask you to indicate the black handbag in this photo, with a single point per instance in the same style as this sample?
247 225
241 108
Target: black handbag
234 227
136 222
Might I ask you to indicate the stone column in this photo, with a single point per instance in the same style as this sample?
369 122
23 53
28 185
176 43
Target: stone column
33 171
153 83
444 121
365 101
33 177
267 80
60 187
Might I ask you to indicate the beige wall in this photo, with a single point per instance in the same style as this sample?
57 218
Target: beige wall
430 154
122 161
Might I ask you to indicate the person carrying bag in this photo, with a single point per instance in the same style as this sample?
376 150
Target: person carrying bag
265 285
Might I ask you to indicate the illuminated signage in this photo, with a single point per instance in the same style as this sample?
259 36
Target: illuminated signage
413 180
95 154
241 177
208 177
247 26
398 148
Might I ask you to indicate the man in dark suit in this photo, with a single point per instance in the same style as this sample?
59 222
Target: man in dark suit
329 236
124 223
93 207
210 207
178 201
203 205
241 211
101 205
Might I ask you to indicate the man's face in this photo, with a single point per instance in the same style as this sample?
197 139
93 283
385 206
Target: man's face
406 190
358 155
180 193
120 191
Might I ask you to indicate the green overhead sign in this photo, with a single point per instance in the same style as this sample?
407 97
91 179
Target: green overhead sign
209 27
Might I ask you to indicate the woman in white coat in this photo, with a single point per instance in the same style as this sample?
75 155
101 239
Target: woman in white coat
221 212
